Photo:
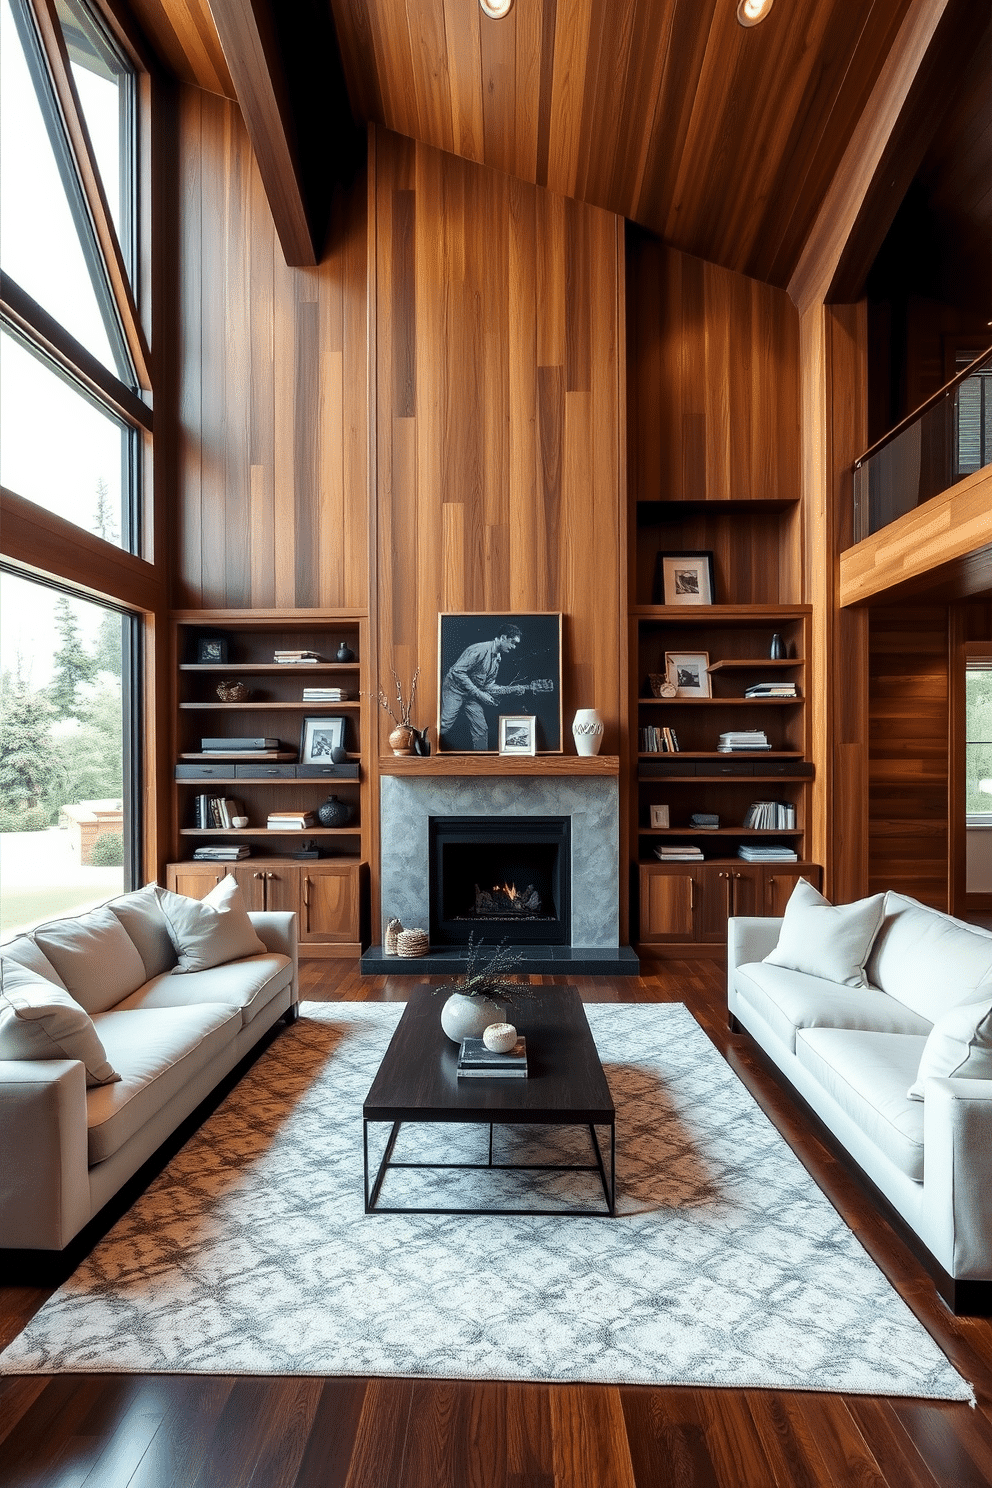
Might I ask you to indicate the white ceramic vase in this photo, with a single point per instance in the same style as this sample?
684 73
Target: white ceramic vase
587 731
465 1017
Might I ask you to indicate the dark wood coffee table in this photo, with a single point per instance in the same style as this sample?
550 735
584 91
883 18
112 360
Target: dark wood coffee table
566 1086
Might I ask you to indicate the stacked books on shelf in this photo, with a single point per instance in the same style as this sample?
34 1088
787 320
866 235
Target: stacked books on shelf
774 816
245 748
477 1062
653 740
289 657
221 852
324 695
678 853
215 811
706 821
743 740
290 821
778 853
772 690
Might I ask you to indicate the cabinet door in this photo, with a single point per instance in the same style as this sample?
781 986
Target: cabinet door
668 903
780 882
195 880
329 903
749 889
251 881
715 903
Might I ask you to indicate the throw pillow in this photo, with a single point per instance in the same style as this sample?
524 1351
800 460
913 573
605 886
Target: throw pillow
207 932
959 1045
95 957
40 1021
827 940
141 915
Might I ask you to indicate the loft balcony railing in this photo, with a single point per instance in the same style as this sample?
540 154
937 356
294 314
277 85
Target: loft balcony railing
947 438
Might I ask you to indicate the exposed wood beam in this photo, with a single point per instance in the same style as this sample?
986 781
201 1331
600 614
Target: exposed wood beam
248 35
838 213
53 43
945 546
24 314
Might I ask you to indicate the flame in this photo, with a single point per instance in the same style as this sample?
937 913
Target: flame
510 890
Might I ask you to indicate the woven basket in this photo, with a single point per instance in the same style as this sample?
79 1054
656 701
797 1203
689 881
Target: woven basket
412 943
233 692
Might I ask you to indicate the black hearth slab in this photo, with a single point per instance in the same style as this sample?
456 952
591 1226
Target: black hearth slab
538 960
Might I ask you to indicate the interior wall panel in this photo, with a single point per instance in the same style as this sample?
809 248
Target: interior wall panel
273 450
498 416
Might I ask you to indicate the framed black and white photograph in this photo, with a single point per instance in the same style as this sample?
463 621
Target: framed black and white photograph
684 579
320 738
517 733
689 671
487 662
211 651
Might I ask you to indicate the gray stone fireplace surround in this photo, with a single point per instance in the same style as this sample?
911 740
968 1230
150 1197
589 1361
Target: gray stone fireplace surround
592 804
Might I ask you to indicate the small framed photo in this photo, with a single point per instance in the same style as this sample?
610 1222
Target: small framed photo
211 650
659 816
320 738
685 578
518 733
689 670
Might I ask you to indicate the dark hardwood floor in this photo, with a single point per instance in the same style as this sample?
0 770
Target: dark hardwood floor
108 1431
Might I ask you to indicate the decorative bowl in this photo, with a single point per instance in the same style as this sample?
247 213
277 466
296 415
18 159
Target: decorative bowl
233 692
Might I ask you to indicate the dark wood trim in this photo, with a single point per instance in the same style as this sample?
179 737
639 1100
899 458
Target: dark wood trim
39 542
60 71
248 36
25 315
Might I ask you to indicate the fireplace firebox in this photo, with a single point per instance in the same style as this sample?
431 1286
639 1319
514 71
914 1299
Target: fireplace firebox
500 878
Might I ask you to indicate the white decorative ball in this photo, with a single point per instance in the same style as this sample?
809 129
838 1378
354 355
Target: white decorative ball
500 1037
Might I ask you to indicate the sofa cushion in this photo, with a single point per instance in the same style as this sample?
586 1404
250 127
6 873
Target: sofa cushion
41 1021
867 1075
929 960
827 940
207 932
249 985
141 915
95 957
24 951
959 1045
156 1050
787 1000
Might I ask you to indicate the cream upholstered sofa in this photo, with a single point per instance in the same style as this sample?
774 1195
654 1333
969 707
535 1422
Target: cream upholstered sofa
884 1027
114 1026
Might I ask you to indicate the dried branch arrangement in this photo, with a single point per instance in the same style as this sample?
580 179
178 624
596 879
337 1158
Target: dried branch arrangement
405 705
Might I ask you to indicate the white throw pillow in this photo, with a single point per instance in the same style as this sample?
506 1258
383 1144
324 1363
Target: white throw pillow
929 960
40 1021
827 940
959 1045
95 957
207 932
141 915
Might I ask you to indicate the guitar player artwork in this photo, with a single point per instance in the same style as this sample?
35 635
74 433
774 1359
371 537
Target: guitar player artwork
493 664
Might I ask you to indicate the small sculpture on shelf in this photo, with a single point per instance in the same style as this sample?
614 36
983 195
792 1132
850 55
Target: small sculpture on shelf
344 653
334 813
233 692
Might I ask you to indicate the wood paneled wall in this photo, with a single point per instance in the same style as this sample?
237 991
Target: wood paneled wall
274 397
499 414
908 752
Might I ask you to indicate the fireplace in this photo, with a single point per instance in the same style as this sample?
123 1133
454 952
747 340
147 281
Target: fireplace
500 878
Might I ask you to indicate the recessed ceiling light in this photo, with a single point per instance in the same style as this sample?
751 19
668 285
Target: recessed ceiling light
496 9
750 12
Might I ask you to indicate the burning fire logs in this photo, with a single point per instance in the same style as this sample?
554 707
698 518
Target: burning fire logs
507 899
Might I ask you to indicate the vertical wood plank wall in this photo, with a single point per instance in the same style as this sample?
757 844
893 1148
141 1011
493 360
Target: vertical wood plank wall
273 379
908 752
499 383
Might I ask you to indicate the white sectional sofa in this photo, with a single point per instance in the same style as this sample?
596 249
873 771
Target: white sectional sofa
114 1026
883 1023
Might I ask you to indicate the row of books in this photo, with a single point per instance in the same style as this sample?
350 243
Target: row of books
776 816
653 740
215 811
325 695
742 740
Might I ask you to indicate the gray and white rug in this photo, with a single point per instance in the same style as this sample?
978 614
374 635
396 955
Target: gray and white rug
252 1254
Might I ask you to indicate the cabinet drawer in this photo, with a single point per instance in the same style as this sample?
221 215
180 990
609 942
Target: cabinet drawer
735 766
658 769
206 772
265 772
325 772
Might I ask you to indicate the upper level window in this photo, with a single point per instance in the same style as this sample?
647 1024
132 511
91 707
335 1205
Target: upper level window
978 741
974 416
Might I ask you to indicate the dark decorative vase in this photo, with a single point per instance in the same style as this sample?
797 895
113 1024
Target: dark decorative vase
334 813
344 652
777 652
421 743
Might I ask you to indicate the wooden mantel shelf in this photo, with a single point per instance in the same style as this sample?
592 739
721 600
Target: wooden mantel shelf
435 765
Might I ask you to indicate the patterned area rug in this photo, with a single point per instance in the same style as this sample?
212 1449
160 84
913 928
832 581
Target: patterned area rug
251 1253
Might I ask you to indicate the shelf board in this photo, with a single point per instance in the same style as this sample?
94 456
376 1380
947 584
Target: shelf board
720 701
710 754
720 831
224 667
499 764
745 616
327 781
748 664
300 832
250 707
734 862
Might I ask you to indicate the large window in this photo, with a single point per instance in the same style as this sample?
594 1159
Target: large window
978 741
74 422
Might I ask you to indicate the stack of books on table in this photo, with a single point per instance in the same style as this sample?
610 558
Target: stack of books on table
324 695
479 1063
775 816
743 739
768 854
290 821
295 656
772 690
678 853
221 853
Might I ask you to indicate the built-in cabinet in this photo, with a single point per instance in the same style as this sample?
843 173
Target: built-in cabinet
328 892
